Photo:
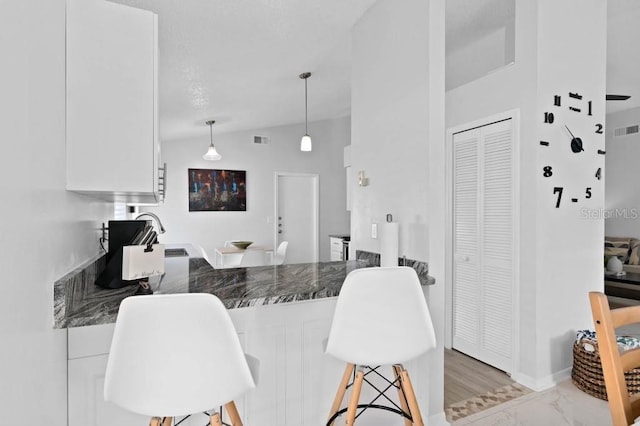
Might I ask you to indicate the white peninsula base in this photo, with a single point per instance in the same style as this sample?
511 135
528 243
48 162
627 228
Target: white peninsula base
296 383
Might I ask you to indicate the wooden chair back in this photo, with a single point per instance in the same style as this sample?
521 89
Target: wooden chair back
624 407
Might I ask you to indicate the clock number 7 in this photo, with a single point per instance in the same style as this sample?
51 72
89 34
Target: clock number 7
558 190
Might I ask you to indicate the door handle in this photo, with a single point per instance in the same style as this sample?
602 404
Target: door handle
280 231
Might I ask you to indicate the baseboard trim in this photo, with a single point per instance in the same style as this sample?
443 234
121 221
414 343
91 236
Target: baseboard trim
543 383
439 419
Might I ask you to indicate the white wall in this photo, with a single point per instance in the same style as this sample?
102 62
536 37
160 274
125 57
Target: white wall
282 154
476 60
397 122
622 198
560 252
45 230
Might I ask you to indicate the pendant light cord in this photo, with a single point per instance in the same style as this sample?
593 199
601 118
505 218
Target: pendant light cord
306 130
211 133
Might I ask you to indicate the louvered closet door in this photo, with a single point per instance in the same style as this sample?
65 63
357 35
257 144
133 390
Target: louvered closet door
483 243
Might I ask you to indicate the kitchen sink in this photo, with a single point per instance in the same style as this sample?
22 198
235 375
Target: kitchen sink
175 252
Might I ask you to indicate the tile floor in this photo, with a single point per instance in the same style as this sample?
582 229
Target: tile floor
563 404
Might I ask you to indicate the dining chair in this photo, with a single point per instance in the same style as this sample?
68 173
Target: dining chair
624 408
281 253
176 355
252 257
381 318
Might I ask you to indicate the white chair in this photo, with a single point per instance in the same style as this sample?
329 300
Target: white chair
281 253
381 318
175 355
252 257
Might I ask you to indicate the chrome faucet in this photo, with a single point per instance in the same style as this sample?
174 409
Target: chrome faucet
162 230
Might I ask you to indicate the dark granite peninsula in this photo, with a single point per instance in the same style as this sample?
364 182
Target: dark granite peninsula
282 315
79 302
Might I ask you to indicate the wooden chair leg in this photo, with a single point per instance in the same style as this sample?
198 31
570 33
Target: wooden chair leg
342 388
168 421
397 370
214 420
233 414
407 388
155 421
354 398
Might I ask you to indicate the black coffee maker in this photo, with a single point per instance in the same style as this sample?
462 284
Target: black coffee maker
120 233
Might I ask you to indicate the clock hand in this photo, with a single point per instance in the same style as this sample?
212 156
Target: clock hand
576 143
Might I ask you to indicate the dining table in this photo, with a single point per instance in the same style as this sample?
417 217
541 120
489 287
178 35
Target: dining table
230 256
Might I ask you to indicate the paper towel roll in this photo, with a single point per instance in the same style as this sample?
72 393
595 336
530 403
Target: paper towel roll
389 244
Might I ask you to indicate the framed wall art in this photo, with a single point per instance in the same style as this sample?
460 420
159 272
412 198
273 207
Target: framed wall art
212 190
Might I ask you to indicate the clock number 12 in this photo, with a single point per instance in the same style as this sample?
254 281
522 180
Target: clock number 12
558 190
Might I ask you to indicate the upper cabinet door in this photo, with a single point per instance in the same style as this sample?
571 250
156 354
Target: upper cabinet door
112 142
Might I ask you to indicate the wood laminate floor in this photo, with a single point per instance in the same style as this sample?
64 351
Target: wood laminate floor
466 377
471 386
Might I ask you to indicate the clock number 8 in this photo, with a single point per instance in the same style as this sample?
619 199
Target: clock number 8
547 171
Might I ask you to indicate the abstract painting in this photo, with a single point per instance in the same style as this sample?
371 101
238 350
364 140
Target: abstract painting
213 190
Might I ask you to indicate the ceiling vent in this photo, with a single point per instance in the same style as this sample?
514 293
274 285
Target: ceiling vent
624 131
261 139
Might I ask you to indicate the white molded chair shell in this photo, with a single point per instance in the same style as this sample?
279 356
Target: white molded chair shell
281 253
381 318
252 257
174 355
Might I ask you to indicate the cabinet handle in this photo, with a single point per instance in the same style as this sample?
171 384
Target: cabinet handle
162 181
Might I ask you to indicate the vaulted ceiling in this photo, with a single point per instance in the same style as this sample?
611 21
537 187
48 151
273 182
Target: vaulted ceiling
238 61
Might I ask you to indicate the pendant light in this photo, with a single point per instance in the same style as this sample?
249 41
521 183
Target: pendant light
305 142
212 154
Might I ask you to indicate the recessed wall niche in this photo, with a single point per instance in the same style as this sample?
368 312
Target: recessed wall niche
480 39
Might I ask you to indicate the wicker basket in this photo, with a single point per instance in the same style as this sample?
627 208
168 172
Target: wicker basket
587 371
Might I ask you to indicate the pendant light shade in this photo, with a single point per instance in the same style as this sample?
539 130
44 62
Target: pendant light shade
305 142
211 154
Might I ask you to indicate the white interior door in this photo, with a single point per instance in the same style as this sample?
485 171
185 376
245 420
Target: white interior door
484 243
297 216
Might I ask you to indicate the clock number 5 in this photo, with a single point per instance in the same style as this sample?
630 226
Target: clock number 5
558 190
588 192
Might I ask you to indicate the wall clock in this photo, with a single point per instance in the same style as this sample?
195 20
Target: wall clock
574 148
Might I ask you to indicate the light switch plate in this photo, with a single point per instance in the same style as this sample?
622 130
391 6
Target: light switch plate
374 230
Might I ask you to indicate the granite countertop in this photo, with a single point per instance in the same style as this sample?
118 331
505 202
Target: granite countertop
79 302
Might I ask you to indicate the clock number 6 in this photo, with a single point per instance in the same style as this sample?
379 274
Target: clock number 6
558 190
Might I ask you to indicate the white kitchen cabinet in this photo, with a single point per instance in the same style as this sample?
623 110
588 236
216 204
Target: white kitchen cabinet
337 248
88 351
112 147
